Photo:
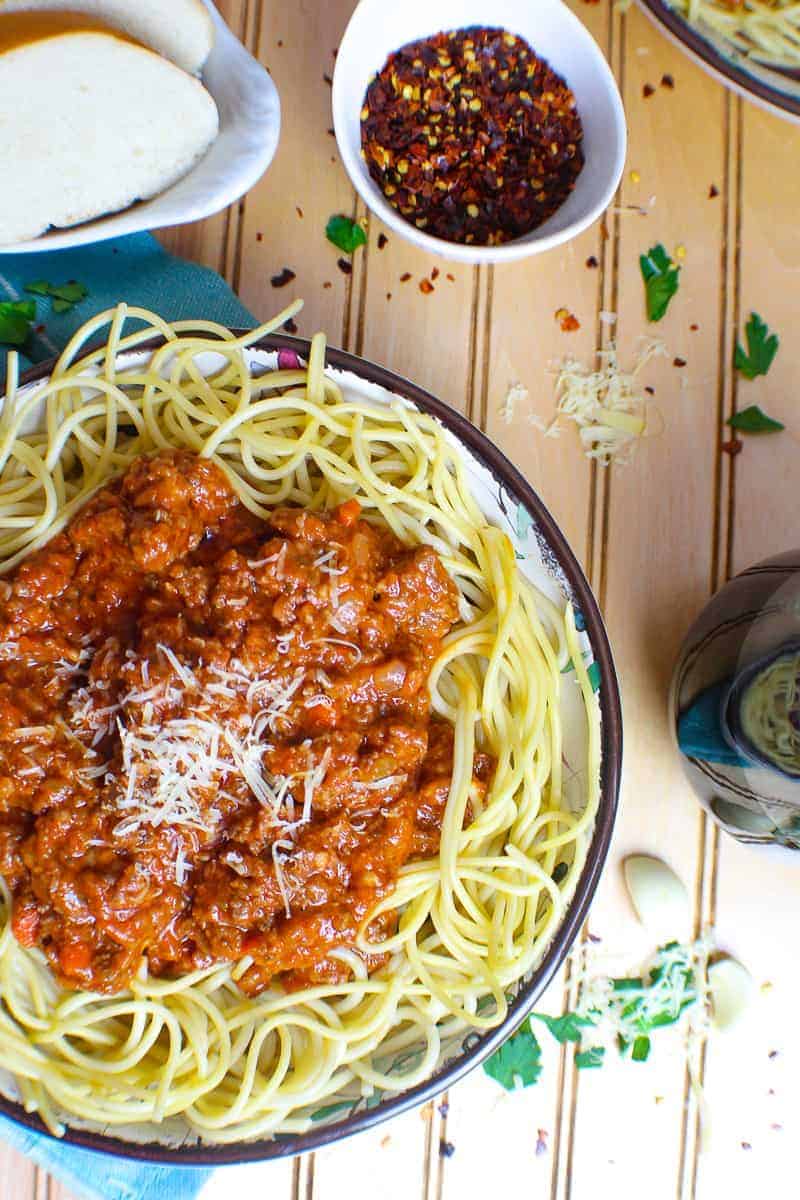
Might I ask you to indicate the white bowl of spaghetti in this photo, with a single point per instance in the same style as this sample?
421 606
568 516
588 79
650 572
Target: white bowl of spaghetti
161 1039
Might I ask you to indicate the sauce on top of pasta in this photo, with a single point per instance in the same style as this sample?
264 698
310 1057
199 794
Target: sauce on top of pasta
215 731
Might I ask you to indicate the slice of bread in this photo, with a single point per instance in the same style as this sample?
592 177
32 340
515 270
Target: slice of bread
181 30
90 121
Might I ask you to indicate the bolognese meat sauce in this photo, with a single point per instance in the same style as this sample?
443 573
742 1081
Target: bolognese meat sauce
215 731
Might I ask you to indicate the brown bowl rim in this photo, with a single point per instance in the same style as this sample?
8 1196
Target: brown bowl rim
282 1146
732 73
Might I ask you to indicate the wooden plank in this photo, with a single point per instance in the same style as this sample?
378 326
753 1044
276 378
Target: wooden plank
655 546
284 216
522 341
754 1132
17 1174
212 241
390 1161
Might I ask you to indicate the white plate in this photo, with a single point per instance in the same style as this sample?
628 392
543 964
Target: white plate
250 122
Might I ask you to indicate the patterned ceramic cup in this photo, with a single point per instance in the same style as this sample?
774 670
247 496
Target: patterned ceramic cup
735 704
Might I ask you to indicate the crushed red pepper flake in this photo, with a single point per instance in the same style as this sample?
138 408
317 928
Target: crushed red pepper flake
568 321
259 237
592 262
651 391
382 240
344 266
733 447
694 328
404 278
713 191
446 1149
679 362
388 295
426 287
284 277
435 273
452 278
298 210
327 283
648 90
667 81
471 136
541 1142
290 326
327 79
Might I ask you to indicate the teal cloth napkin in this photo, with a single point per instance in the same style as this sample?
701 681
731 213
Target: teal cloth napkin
134 269
137 270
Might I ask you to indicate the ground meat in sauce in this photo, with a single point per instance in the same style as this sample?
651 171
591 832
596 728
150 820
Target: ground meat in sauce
170 638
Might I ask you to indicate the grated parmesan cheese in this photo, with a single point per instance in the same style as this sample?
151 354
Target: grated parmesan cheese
609 405
515 394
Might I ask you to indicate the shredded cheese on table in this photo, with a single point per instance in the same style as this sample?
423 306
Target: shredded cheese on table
608 405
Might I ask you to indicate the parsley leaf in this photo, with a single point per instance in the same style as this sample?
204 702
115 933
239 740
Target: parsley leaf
568 1027
761 349
518 1062
593 1057
641 1048
660 280
16 319
753 420
594 675
346 234
64 295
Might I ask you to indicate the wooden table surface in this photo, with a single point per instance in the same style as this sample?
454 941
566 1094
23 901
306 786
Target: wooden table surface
656 538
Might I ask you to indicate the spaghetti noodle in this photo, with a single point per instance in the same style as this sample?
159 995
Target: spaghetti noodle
193 1056
766 31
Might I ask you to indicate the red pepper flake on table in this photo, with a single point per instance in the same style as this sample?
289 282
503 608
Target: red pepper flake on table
568 321
471 136
648 90
284 277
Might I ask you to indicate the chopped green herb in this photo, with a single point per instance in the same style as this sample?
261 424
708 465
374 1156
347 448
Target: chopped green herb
559 872
330 1110
753 420
627 985
641 1049
518 1061
660 276
64 295
594 675
762 347
593 1057
568 1027
345 234
16 319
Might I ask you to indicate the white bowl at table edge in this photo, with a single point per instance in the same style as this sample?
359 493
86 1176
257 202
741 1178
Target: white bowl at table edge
376 29
250 122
